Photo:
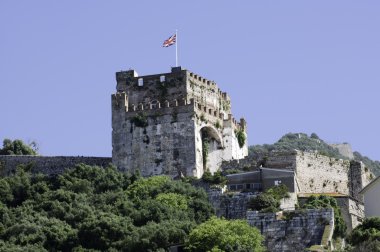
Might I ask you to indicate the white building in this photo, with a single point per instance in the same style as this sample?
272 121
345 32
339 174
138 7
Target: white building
371 194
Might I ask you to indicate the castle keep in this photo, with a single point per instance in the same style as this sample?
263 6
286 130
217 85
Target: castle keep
176 123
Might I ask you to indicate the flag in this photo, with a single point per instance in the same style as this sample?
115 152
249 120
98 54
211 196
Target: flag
170 41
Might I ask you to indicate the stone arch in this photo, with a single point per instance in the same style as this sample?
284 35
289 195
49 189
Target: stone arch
212 132
211 142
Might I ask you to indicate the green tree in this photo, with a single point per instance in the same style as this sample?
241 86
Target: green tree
269 201
368 231
174 200
90 208
224 235
264 203
18 147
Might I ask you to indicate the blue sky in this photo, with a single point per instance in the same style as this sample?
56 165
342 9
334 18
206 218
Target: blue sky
289 66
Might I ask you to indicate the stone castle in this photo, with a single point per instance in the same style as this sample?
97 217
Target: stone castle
180 124
177 123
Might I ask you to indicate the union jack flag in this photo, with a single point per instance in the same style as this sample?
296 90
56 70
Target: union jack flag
170 41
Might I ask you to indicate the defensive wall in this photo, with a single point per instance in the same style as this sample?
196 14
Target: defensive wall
352 210
294 230
230 206
314 173
48 165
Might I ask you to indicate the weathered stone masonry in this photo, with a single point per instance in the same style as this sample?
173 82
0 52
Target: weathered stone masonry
296 232
177 123
48 165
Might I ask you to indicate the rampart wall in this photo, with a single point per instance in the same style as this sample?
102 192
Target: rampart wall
48 165
317 173
295 231
352 210
230 206
322 174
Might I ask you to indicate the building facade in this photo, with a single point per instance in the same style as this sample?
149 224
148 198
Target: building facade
371 194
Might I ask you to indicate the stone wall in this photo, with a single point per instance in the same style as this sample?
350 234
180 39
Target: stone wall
344 149
165 144
230 205
321 174
296 230
48 165
246 164
360 176
352 210
316 173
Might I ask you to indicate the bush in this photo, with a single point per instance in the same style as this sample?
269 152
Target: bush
240 135
225 235
323 201
264 203
269 201
217 178
140 120
368 231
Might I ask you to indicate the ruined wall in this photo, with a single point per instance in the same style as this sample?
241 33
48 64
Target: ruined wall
230 206
245 164
344 149
281 160
360 176
48 165
321 174
352 210
296 231
317 173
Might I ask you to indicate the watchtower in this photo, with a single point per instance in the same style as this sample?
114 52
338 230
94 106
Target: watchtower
176 123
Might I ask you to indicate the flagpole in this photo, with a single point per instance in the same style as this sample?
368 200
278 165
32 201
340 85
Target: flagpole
176 48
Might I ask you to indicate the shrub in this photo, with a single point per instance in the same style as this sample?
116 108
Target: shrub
140 120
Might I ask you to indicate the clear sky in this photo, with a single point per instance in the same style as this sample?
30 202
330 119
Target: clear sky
289 66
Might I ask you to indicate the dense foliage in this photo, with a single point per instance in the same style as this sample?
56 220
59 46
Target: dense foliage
223 235
299 141
94 208
269 201
368 231
18 147
322 201
303 142
217 178
240 135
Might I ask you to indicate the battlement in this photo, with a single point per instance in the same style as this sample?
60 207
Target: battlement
177 85
204 113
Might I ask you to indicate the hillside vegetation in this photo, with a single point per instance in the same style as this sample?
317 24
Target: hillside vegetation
90 208
303 142
99 209
18 147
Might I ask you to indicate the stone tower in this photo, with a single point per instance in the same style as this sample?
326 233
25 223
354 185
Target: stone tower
176 123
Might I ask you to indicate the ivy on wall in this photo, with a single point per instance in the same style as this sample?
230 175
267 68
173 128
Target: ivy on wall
140 120
240 135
